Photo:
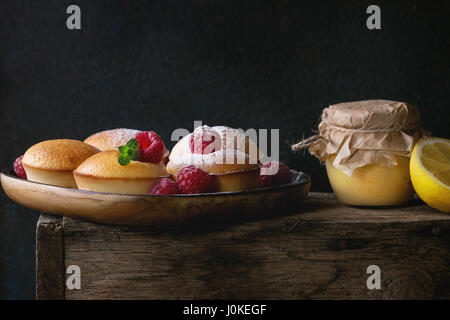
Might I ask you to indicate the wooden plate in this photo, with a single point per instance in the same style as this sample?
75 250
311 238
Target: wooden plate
154 209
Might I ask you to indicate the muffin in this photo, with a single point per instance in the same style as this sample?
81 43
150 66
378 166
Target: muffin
113 139
53 161
103 173
233 163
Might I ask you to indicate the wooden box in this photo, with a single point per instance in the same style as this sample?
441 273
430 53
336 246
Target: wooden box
322 252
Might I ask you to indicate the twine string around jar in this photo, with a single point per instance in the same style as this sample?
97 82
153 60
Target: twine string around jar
306 143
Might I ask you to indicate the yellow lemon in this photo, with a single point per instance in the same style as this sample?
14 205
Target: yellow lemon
430 172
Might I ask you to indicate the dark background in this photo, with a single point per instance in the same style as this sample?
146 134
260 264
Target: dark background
160 65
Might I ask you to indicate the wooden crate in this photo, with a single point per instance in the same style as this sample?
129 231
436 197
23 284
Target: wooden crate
320 253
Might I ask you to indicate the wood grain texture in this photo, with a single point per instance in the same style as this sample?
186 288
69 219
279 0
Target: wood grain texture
149 210
49 258
321 252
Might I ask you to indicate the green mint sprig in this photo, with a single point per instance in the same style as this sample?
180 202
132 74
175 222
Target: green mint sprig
128 152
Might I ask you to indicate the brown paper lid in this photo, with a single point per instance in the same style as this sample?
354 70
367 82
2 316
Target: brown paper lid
372 115
365 132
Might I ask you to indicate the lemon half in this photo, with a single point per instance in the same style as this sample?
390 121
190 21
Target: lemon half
430 172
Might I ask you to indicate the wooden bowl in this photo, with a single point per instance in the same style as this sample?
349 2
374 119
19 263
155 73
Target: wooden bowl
150 210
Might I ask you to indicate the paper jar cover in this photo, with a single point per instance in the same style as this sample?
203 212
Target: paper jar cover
365 132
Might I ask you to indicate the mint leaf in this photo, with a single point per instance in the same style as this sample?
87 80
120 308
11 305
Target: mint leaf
123 149
128 152
124 159
133 154
133 144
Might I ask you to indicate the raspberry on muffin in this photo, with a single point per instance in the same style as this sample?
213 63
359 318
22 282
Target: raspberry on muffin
205 140
151 146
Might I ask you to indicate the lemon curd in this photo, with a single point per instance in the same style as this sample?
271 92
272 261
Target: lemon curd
366 147
372 185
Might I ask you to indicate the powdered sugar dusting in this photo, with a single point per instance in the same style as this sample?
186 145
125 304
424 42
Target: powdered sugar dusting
221 128
120 137
228 156
233 150
112 139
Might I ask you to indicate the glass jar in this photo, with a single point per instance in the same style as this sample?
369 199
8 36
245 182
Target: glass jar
366 147
372 185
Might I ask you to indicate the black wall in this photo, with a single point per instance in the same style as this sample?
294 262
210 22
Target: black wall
162 64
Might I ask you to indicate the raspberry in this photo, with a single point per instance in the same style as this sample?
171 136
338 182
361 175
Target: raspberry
193 180
267 178
205 140
18 168
164 186
151 146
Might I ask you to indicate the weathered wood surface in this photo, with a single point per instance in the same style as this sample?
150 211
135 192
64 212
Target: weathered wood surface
320 253
49 258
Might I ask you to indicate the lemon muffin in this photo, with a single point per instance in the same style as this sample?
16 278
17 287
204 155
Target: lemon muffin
103 173
232 162
113 139
53 161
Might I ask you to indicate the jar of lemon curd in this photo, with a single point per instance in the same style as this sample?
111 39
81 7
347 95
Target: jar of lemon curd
366 147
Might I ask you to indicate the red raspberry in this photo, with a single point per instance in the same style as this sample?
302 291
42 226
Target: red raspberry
270 176
164 186
18 168
193 180
205 140
151 146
